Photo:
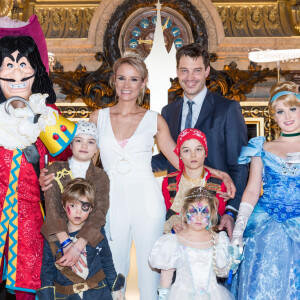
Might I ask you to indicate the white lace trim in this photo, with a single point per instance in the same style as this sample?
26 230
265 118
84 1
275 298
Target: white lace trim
6 22
293 158
17 130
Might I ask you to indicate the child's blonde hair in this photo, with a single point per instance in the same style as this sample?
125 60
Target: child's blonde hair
77 188
287 99
199 194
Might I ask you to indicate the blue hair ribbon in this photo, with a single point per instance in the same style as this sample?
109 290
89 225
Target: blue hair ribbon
284 93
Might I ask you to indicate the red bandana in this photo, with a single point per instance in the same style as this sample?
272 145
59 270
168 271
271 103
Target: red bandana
188 134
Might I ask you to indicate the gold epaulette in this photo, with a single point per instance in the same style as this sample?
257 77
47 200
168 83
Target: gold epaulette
214 183
64 172
173 174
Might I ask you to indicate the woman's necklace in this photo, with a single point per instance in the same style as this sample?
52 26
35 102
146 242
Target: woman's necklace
290 134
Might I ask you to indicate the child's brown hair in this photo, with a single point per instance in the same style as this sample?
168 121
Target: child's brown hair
77 188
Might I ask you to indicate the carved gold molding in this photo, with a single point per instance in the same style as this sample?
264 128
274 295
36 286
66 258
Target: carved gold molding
258 113
6 7
293 7
61 22
72 19
255 19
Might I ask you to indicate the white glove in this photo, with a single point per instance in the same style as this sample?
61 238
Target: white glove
236 256
241 222
117 295
163 293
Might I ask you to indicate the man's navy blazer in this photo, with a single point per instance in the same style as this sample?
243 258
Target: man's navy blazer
223 124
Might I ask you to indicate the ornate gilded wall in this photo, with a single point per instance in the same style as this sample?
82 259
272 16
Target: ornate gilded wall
71 19
76 31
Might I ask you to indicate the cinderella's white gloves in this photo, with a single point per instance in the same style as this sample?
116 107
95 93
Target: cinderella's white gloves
241 222
236 254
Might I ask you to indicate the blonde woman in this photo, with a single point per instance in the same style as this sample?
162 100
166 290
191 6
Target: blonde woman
126 135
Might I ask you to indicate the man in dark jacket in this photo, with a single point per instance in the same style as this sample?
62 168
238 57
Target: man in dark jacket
219 118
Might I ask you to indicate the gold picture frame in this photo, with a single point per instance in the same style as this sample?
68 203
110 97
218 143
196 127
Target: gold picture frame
255 126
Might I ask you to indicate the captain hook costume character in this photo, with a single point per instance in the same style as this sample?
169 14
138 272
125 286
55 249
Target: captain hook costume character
23 74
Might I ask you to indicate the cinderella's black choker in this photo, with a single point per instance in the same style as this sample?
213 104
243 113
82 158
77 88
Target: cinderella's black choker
290 134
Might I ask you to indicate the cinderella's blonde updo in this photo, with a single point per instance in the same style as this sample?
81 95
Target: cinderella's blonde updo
288 99
138 64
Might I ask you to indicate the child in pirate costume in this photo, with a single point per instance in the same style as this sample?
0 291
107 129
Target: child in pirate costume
84 147
191 149
23 74
98 280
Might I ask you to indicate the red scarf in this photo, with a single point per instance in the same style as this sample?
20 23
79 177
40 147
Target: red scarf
188 134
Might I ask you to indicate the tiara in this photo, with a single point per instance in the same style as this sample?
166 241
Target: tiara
132 54
199 192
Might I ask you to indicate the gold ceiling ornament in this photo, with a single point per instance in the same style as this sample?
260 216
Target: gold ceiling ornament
6 7
293 7
259 20
70 22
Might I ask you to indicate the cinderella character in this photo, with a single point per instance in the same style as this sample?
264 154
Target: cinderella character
270 224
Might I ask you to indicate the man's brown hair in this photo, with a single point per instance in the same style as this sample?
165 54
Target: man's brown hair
193 50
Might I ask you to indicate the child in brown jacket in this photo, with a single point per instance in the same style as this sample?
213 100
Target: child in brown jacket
84 147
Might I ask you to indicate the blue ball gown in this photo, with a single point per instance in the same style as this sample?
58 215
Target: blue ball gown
271 265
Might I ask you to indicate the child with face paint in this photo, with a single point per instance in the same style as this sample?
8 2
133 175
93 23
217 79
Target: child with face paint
197 253
191 149
84 147
98 279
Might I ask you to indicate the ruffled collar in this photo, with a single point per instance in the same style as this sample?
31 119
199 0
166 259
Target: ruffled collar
78 169
17 130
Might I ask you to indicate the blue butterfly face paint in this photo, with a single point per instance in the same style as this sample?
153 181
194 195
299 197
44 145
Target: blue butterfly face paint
198 213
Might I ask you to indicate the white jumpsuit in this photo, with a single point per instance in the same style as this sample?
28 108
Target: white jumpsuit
137 209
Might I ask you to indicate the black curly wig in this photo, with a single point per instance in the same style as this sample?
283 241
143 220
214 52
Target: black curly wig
26 46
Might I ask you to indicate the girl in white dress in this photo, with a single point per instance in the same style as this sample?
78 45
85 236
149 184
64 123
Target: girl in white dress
197 253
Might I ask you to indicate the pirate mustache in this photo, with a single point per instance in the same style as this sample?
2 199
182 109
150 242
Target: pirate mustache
13 80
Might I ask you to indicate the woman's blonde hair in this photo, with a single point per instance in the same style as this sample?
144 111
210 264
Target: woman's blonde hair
199 194
139 65
287 99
